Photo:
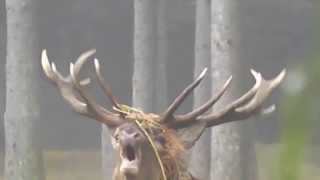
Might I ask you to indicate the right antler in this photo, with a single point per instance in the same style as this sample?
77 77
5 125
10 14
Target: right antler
248 104
73 92
244 107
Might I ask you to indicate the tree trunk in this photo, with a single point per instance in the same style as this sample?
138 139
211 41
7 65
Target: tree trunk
3 41
144 55
161 92
23 154
230 146
200 159
108 160
143 76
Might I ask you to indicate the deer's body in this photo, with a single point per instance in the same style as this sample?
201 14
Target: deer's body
148 146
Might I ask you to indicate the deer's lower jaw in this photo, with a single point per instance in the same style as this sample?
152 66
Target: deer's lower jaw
130 160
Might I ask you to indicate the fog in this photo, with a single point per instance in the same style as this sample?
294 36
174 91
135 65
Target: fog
273 34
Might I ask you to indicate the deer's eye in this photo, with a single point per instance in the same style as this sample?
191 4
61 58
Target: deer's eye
161 140
116 137
137 135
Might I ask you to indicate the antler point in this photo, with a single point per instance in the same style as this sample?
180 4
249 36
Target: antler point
53 66
96 64
72 74
230 78
203 73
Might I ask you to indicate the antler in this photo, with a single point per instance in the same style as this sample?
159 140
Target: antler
104 86
73 92
244 107
167 115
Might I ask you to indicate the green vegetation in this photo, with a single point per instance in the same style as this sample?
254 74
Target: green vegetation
300 117
268 156
300 114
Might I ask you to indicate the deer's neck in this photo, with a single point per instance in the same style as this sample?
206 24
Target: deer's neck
128 177
183 176
146 174
173 170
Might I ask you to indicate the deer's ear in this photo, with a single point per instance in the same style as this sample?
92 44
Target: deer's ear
189 135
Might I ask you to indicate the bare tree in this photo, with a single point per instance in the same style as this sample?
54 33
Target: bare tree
150 57
230 145
23 154
161 90
200 160
144 54
107 153
144 75
3 40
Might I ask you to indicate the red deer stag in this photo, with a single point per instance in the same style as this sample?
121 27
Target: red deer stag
150 146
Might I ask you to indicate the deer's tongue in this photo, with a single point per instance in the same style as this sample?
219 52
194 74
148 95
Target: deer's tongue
130 160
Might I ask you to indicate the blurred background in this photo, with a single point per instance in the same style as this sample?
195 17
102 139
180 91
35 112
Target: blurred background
272 35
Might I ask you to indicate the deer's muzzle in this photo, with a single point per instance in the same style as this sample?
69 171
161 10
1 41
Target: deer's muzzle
130 155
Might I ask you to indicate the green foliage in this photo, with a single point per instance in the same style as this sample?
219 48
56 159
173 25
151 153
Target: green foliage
300 113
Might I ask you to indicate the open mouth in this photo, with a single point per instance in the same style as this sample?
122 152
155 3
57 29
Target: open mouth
130 159
129 153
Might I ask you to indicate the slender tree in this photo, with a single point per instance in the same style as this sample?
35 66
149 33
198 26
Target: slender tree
161 93
144 65
107 154
144 54
3 40
200 160
23 157
229 157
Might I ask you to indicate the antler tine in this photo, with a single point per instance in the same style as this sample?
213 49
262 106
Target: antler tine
78 87
181 97
206 106
104 86
70 88
247 105
249 94
97 111
84 57
49 69
262 93
64 83
53 74
74 73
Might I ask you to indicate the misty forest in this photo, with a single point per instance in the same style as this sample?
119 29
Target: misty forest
159 90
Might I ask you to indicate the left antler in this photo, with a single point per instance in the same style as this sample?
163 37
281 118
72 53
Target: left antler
244 107
73 90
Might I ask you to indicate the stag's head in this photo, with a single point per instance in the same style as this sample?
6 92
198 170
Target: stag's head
150 146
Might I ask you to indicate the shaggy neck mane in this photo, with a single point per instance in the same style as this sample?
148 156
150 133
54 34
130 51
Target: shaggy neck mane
171 157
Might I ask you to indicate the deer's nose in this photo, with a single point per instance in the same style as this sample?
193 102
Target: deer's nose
130 137
132 133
